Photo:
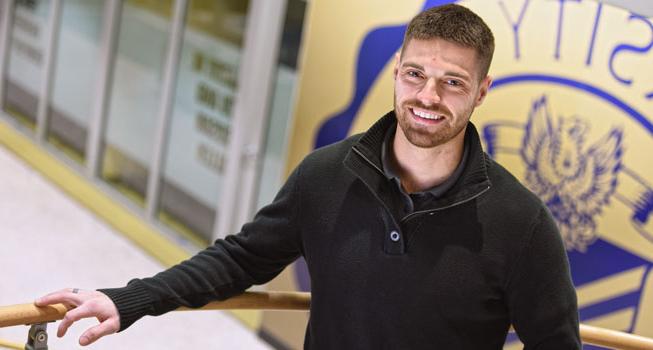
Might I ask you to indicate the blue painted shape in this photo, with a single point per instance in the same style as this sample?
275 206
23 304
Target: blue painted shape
621 302
490 137
302 276
602 259
512 337
644 207
377 48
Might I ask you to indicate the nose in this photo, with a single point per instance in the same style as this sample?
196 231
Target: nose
428 94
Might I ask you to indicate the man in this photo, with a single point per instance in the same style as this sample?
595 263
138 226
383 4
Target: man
413 237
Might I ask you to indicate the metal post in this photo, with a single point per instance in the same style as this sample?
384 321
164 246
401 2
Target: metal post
37 337
255 82
103 88
5 43
175 42
49 59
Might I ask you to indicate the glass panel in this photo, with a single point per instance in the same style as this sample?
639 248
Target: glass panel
201 120
75 74
135 94
25 66
274 154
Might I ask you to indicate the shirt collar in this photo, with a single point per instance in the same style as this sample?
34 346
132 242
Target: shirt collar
390 173
364 161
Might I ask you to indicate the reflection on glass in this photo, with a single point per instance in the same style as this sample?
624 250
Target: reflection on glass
74 76
25 66
135 94
201 121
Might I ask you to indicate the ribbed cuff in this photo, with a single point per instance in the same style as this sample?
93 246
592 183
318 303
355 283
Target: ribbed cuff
132 302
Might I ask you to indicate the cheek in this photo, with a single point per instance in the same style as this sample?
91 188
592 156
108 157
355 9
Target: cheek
403 92
455 97
459 103
399 94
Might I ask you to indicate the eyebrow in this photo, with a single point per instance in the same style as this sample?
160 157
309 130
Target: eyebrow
458 75
449 73
413 65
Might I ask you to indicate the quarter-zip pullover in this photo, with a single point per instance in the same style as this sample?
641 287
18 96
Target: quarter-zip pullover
453 275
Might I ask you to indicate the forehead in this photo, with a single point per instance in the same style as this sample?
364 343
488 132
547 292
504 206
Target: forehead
440 53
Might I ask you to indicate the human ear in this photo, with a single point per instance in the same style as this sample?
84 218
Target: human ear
483 88
397 62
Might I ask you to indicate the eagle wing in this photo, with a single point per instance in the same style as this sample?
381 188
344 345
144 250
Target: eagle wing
594 186
537 151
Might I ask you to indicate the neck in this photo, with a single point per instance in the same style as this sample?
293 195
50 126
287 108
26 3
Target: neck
423 168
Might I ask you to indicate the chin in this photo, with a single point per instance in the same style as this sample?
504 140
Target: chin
423 140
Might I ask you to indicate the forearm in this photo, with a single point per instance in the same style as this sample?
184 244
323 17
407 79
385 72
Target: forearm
254 256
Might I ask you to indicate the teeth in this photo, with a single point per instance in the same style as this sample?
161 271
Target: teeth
425 115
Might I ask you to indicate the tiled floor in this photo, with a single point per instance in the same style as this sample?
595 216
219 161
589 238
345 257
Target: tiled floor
48 241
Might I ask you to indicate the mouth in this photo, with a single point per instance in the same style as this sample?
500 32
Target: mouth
426 117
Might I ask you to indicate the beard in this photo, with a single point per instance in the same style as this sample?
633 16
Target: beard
429 136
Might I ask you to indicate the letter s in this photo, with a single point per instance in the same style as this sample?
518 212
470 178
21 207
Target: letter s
626 47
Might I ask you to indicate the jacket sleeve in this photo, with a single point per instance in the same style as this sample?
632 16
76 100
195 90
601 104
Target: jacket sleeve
262 249
540 294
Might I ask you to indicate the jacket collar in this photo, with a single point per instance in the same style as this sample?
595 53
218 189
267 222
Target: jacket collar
364 160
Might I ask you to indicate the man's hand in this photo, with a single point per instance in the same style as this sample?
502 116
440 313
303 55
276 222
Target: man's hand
85 304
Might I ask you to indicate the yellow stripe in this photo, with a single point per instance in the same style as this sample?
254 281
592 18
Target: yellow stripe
610 287
5 344
89 195
518 345
618 321
148 238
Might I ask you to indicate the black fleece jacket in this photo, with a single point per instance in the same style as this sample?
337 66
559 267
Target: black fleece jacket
487 254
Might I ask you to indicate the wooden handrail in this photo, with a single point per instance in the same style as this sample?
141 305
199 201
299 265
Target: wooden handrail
292 301
613 339
23 314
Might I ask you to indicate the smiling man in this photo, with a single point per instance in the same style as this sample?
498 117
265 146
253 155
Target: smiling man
414 238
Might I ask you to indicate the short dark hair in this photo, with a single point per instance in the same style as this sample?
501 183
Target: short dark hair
457 24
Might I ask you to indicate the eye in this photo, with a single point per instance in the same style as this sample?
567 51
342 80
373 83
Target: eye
413 74
453 82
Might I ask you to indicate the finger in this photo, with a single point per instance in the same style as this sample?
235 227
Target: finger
94 333
45 300
65 296
71 317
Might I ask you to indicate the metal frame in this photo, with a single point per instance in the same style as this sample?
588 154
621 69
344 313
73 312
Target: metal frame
171 68
104 82
251 109
54 21
5 43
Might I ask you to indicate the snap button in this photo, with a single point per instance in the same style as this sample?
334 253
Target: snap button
394 236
